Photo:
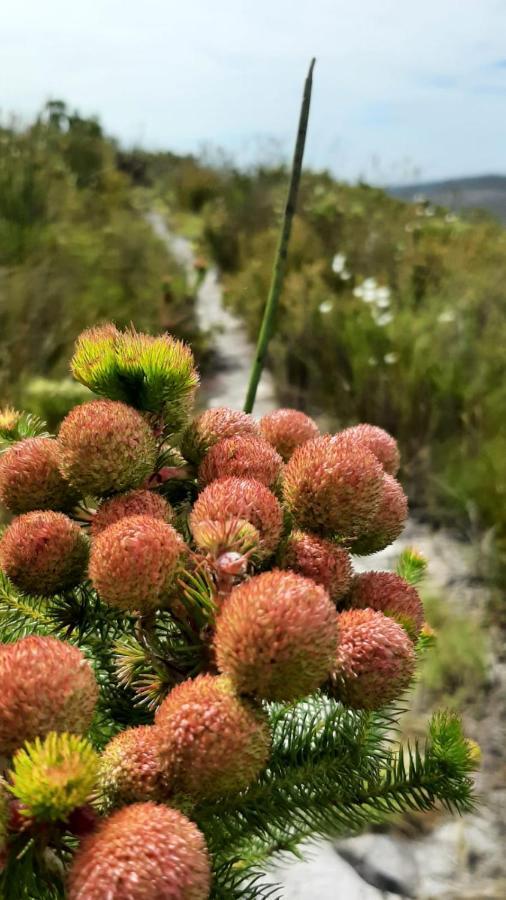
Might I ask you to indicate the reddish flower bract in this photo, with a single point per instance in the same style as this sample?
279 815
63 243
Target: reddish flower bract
142 852
375 659
287 429
241 498
276 636
211 742
30 477
44 552
46 685
133 563
243 456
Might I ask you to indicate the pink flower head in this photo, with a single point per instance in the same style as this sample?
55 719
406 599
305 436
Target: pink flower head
242 456
142 852
106 446
319 559
134 562
388 522
241 498
276 636
390 594
211 742
375 659
44 553
46 685
30 477
379 442
333 487
287 429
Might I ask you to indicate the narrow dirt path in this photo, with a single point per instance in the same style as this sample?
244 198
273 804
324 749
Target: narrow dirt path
233 349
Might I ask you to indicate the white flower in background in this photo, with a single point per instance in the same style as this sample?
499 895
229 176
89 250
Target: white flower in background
384 319
326 307
372 361
372 292
339 266
339 263
451 217
383 297
390 358
430 211
447 315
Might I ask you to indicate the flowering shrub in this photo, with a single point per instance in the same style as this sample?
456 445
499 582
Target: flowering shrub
192 675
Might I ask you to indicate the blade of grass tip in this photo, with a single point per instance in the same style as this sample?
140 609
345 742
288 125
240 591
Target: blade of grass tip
267 326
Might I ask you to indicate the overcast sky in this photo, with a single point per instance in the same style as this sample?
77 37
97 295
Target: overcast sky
400 86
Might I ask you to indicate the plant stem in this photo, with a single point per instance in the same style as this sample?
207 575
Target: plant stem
278 271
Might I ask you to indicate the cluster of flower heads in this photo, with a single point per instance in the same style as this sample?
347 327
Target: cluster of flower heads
275 514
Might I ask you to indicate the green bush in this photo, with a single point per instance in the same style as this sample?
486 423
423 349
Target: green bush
454 671
75 248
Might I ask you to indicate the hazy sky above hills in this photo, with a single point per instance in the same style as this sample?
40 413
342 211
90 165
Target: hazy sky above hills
402 89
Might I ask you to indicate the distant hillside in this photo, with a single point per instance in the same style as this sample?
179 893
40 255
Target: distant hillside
481 192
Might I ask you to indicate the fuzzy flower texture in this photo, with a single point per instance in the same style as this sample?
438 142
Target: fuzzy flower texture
268 516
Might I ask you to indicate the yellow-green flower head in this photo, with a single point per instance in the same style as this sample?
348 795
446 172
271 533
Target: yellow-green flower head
9 418
154 374
140 502
129 768
287 429
133 563
30 477
212 426
44 553
388 522
51 777
94 360
45 685
106 446
142 852
333 486
276 636
210 741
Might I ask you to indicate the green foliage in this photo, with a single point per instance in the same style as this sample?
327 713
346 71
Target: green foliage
51 399
411 566
17 426
455 672
332 772
75 248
